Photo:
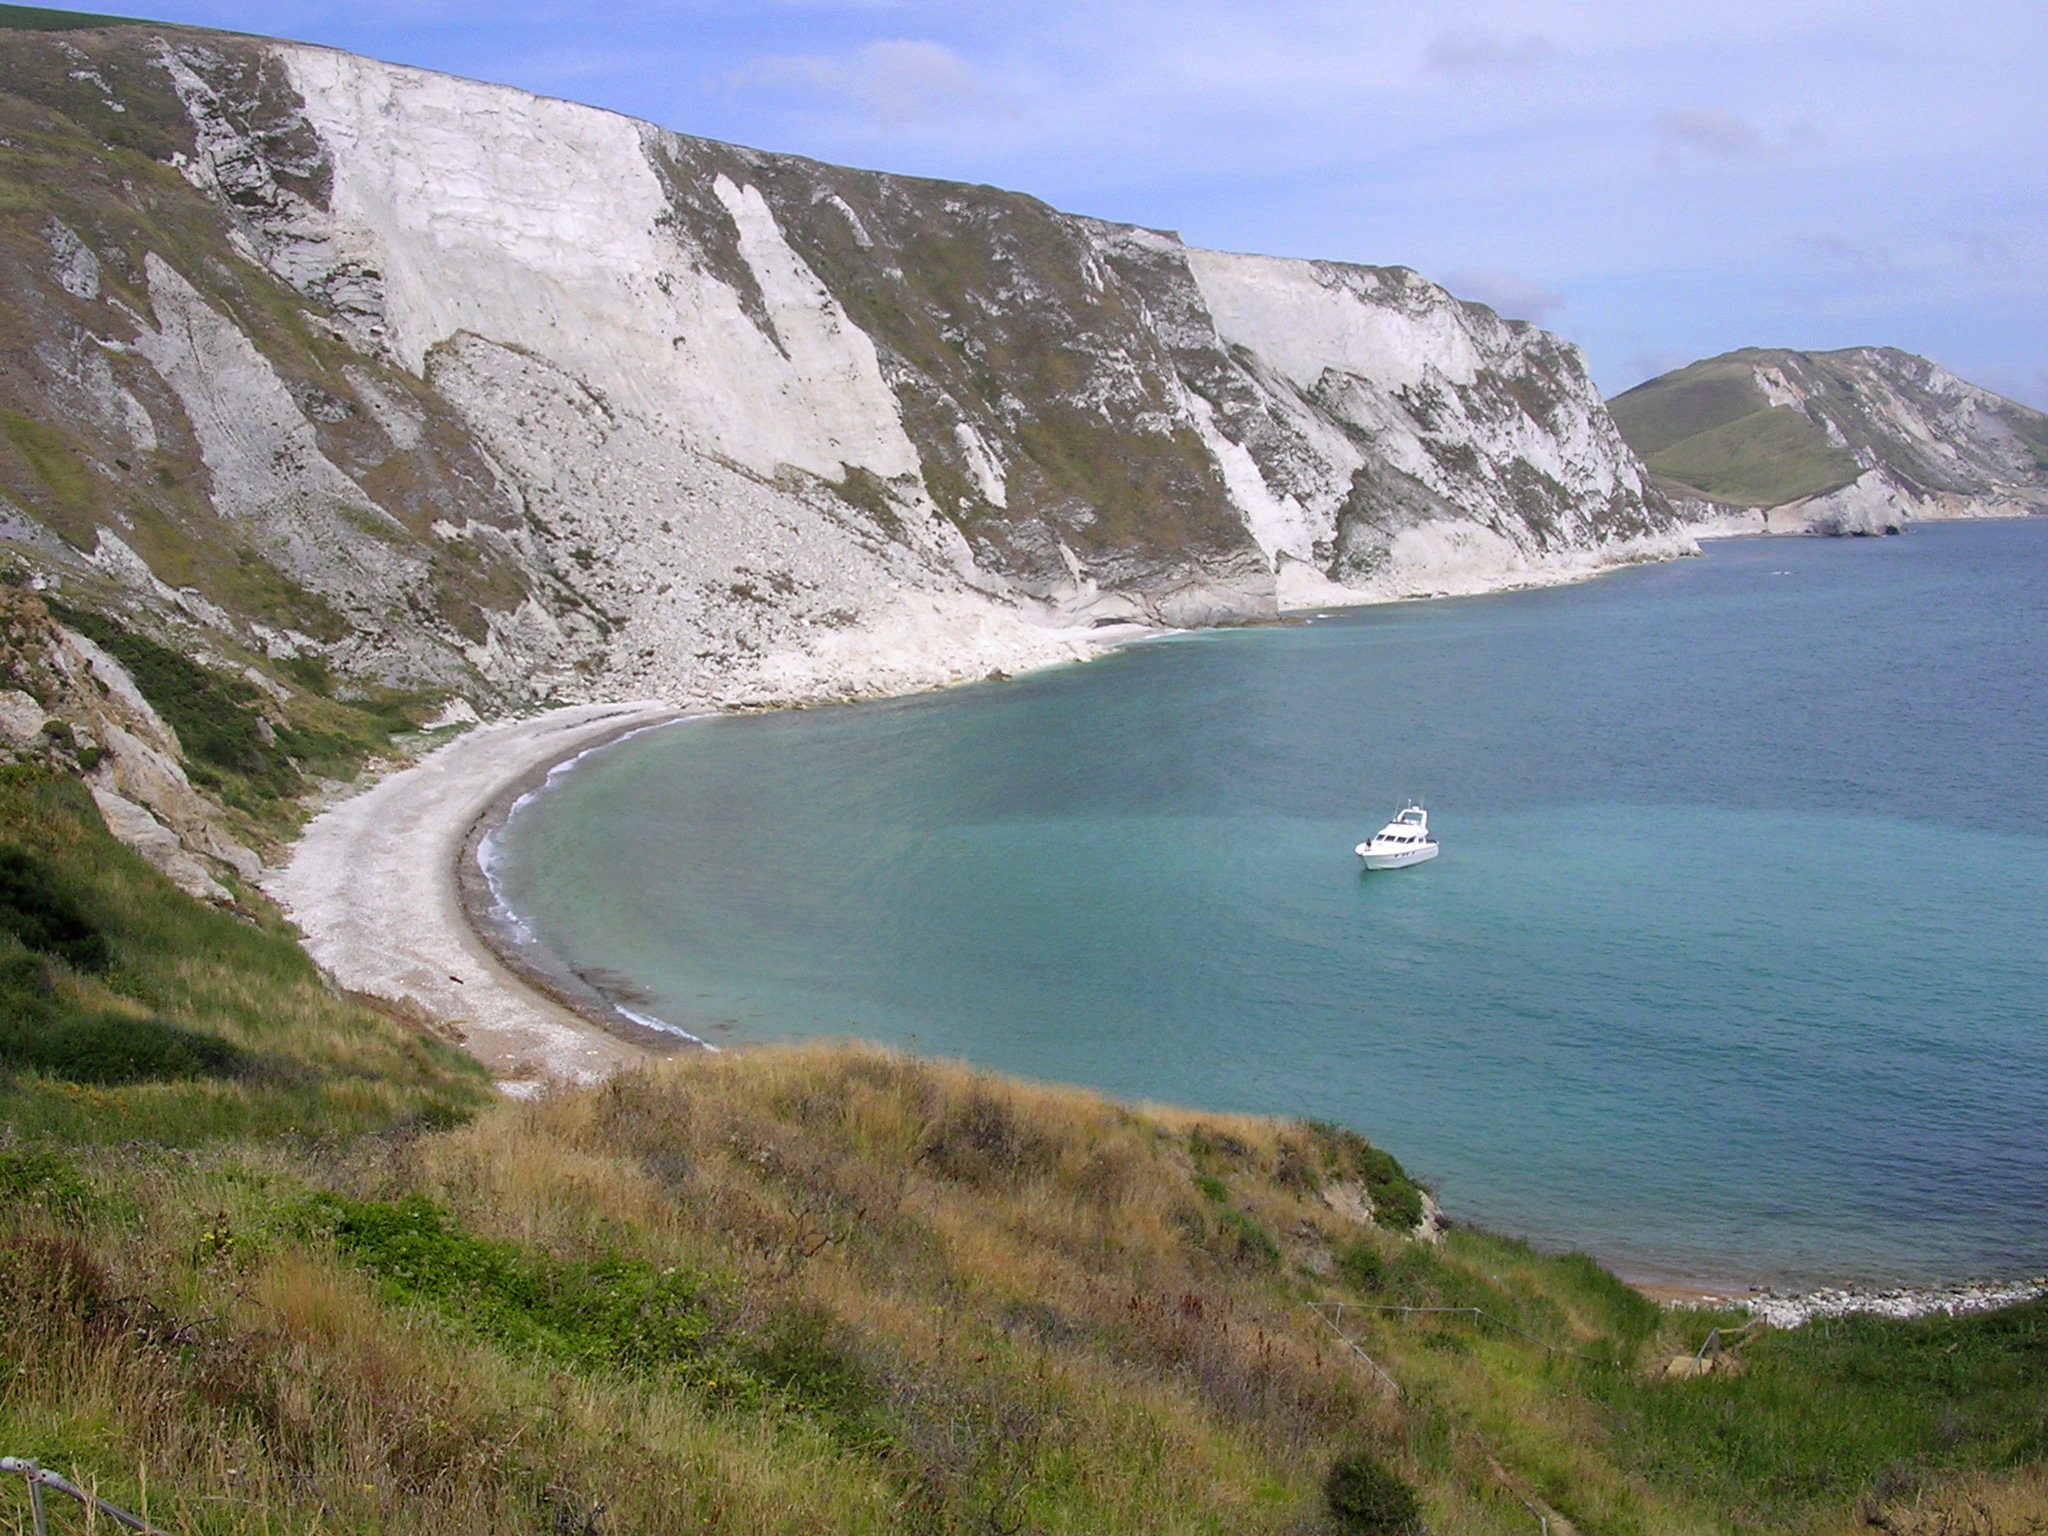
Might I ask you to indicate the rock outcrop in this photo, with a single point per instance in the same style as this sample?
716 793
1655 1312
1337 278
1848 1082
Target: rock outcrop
439 385
69 705
1860 441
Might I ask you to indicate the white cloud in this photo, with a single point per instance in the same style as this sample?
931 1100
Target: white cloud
1465 53
1713 132
893 82
1507 293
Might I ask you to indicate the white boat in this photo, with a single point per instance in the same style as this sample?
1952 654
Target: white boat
1403 841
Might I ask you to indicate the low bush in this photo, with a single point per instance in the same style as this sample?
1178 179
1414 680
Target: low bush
210 711
1396 1198
39 908
1365 1497
1246 1240
1360 1266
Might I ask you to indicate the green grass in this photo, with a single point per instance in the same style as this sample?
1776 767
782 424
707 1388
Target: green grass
52 1022
611 1312
1695 399
615 1313
129 1010
32 18
1765 459
1838 1409
42 1181
1710 429
41 912
41 1034
55 462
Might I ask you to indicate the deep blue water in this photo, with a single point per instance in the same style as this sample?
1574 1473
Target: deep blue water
1733 966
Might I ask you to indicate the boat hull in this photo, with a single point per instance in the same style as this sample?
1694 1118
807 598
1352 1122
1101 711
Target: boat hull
1396 858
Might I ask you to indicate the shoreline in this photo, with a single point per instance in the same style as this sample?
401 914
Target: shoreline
387 888
1793 1308
488 917
561 1028
375 882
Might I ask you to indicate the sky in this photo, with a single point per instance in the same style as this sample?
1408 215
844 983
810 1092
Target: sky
1657 182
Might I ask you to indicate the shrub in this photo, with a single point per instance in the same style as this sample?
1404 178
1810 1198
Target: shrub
210 711
37 908
803 1358
48 1280
1396 1198
982 1142
1248 1240
1367 1498
1361 1266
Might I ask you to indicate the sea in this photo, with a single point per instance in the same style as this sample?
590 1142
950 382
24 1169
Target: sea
1733 969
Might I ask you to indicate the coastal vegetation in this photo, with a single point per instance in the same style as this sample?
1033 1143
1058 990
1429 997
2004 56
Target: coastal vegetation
277 1257
257 750
1710 430
312 1275
1767 427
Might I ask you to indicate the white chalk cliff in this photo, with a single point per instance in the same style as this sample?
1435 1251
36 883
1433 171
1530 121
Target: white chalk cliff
437 383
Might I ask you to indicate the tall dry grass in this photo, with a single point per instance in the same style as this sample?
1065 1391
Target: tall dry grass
912 1297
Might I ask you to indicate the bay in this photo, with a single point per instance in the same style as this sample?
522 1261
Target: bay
1731 970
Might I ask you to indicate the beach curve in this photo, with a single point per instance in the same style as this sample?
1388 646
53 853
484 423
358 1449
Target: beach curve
385 888
375 885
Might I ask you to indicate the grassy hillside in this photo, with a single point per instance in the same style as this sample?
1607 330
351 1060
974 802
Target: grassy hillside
1709 430
271 1260
130 1012
34 18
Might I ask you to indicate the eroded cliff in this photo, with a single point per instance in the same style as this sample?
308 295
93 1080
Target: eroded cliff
434 384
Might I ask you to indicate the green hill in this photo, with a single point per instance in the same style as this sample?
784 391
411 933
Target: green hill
34 18
1764 427
1710 430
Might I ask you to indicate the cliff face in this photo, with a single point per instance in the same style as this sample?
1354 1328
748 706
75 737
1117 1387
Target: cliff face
1858 441
444 385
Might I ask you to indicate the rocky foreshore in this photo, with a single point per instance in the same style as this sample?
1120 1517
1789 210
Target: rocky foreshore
1789 1309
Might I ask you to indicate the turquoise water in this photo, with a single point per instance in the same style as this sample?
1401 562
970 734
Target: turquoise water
1732 968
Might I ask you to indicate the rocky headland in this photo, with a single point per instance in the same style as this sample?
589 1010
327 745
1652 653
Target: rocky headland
1861 441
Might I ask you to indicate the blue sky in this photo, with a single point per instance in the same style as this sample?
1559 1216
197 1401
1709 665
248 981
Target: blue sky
1656 182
